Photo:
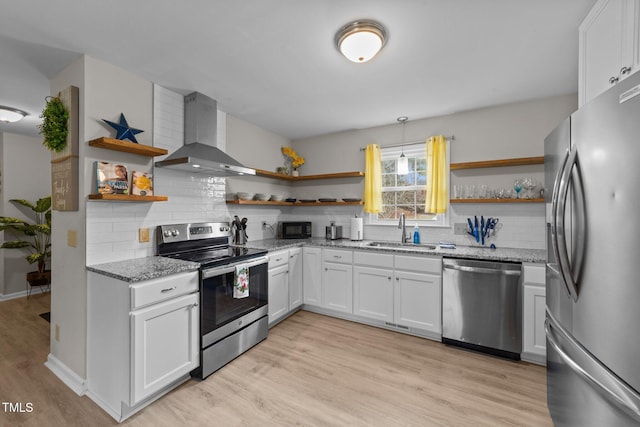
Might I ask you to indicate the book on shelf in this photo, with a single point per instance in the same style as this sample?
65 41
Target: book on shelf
111 178
141 183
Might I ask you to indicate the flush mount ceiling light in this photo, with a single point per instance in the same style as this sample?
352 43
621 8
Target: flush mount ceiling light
359 41
11 115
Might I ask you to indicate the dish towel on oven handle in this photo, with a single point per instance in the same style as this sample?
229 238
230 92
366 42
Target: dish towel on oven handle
241 281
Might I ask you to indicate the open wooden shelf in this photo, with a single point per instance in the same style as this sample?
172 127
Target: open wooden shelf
127 147
258 202
521 161
268 174
127 198
523 200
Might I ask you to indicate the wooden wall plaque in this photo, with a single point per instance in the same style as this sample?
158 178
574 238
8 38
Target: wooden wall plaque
64 165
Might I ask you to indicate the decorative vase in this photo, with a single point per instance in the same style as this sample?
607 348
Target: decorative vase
294 172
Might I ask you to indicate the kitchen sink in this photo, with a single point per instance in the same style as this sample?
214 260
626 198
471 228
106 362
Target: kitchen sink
400 245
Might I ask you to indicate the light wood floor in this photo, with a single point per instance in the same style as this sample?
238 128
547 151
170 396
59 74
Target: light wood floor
312 370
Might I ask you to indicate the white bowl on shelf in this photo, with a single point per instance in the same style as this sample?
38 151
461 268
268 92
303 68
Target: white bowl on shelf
261 197
277 197
244 196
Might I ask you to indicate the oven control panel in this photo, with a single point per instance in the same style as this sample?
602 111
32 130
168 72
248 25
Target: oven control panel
171 233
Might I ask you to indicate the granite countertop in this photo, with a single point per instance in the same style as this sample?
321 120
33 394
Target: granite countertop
139 269
470 252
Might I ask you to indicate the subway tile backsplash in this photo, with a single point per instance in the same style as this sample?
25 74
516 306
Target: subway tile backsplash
112 228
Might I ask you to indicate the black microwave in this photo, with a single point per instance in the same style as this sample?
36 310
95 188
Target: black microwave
294 230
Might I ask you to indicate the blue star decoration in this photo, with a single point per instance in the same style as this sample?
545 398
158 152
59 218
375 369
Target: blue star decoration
123 131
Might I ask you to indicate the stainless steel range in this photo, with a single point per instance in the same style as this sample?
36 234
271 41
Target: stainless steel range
230 323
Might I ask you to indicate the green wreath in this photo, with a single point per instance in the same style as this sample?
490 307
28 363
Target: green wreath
54 124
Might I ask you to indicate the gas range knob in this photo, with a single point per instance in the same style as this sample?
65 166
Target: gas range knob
224 228
174 233
167 233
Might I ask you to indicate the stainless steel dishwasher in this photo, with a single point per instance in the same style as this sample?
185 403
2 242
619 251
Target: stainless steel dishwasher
481 306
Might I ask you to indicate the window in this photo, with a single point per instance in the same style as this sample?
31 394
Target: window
406 193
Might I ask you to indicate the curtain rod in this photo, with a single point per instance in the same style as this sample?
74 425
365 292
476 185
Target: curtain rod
400 144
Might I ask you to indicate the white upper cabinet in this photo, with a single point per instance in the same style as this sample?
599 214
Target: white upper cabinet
609 46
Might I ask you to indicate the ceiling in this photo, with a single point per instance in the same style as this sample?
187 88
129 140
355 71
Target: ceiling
273 62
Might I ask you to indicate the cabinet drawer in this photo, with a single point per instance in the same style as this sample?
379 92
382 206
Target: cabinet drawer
279 258
533 273
163 288
422 264
335 255
373 259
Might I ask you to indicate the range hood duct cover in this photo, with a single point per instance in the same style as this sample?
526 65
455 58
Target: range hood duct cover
200 154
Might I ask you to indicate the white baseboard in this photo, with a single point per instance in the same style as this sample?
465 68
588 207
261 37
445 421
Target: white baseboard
35 290
66 375
534 358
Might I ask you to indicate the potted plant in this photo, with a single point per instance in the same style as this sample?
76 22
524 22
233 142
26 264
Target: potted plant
36 238
54 124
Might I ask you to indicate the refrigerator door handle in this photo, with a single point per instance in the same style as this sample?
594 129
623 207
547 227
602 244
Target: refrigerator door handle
590 369
561 244
557 268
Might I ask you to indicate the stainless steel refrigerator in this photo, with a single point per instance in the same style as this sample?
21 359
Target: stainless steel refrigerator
592 195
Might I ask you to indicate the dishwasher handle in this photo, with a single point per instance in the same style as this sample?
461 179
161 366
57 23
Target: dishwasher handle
481 270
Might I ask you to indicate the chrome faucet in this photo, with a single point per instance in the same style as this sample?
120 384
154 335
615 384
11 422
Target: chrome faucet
401 225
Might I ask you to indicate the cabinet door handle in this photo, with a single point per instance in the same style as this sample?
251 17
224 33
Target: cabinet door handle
613 80
278 259
337 256
194 305
625 70
397 279
164 291
326 269
389 277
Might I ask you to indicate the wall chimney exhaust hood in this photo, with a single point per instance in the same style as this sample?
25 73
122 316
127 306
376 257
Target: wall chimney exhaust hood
200 154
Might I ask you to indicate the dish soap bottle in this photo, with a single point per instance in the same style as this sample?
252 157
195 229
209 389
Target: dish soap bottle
416 235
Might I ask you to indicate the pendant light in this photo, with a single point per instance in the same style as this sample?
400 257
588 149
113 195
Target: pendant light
359 41
403 162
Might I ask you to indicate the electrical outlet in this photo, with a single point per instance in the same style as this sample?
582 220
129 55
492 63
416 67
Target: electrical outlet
460 228
72 238
56 334
143 235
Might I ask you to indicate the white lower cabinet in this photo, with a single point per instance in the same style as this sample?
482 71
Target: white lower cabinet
534 340
156 364
143 339
337 287
417 301
285 283
402 290
295 278
337 280
278 292
312 276
373 293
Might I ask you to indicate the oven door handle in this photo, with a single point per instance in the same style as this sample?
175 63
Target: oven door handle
218 271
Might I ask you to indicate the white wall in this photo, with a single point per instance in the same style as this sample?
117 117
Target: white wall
25 174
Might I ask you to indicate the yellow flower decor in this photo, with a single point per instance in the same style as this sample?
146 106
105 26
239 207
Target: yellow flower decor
292 156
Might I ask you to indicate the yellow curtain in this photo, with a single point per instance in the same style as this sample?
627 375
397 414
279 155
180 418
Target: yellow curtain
437 176
372 179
